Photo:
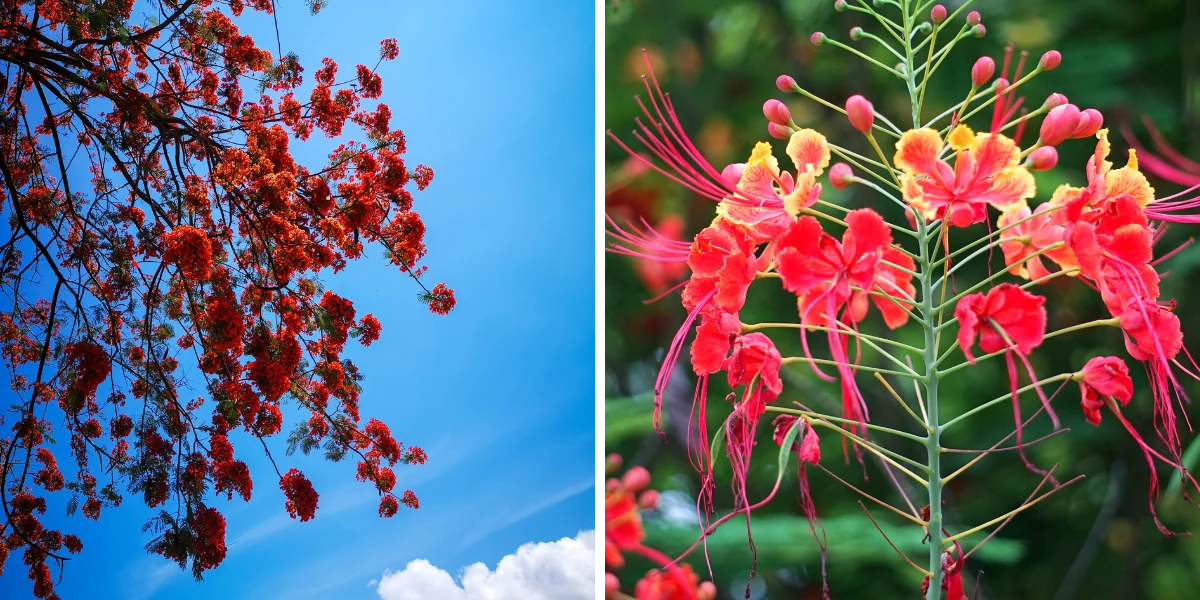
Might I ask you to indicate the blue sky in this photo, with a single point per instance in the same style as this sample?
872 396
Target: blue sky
499 99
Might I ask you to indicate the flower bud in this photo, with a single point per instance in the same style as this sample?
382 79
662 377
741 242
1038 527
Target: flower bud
733 173
1059 124
1050 60
785 83
612 484
983 70
938 13
979 30
636 480
924 27
860 113
1090 121
1055 99
973 18
1043 159
817 38
840 5
840 176
648 499
612 585
856 33
1000 85
706 591
612 464
779 132
776 112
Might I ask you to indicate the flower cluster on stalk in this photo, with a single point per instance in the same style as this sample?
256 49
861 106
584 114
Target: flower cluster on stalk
963 193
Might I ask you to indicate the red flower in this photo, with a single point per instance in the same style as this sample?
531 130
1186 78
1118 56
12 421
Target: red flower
1006 310
1103 377
755 362
812 263
189 249
986 171
714 339
1151 331
677 583
722 260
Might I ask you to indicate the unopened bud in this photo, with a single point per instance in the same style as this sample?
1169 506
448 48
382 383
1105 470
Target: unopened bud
938 13
648 499
973 18
785 83
860 113
840 176
856 33
1060 124
840 5
612 484
1090 121
776 112
1000 85
612 463
924 27
817 38
779 132
983 70
979 30
1055 99
1050 60
706 591
636 480
733 173
1043 159
612 585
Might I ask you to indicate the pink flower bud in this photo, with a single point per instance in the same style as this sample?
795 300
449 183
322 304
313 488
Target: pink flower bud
613 463
817 38
612 585
785 83
1050 60
1055 99
733 173
938 13
612 484
648 499
1059 124
973 18
840 5
1090 121
779 132
636 480
860 113
979 30
840 175
983 70
1043 159
856 33
1000 85
706 591
776 112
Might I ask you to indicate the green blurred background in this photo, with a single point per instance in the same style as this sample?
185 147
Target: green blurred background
719 61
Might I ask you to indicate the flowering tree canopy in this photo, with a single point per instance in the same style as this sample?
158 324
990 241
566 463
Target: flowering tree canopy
162 269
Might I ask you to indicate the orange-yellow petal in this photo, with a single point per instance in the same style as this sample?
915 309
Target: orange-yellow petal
808 151
915 196
802 194
1012 187
917 151
1130 181
761 155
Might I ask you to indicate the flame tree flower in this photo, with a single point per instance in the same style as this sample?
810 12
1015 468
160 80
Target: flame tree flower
963 194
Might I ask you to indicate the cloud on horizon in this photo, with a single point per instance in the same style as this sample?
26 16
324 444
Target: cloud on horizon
562 570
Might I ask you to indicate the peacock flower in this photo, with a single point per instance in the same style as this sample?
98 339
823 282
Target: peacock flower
986 171
776 197
1029 237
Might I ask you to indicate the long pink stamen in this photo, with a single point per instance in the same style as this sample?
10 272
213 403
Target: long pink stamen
672 358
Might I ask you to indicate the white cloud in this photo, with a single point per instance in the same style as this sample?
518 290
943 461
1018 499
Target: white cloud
562 570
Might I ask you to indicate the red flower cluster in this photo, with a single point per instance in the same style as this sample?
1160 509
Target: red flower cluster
189 250
301 497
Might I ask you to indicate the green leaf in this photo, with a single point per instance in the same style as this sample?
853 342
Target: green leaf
626 418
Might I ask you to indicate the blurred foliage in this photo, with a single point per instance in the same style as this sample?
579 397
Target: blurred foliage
719 60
